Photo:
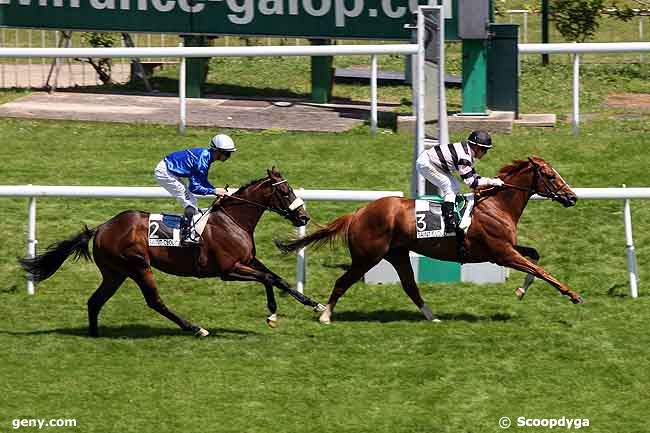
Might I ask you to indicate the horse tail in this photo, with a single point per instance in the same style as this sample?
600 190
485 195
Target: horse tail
44 265
337 229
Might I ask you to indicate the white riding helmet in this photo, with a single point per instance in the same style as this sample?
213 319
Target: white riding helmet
223 142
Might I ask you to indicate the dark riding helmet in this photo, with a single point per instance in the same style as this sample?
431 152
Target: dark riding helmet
480 138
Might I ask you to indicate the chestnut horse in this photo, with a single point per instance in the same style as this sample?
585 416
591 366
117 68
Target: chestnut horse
227 250
385 229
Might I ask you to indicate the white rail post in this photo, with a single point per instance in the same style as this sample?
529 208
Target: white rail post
181 96
419 103
641 18
373 94
31 240
629 247
301 259
576 93
525 27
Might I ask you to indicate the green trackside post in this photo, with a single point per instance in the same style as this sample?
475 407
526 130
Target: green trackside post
474 76
321 74
196 67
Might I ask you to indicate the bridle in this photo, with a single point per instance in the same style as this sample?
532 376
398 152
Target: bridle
282 212
551 190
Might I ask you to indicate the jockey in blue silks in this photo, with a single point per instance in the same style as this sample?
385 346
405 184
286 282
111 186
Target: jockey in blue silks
192 164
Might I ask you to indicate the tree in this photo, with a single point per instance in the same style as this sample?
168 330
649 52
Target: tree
577 20
104 66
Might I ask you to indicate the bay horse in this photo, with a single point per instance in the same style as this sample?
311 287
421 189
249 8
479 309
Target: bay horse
227 250
385 229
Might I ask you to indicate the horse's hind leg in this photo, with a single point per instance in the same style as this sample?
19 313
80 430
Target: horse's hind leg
357 270
528 280
147 283
110 283
402 264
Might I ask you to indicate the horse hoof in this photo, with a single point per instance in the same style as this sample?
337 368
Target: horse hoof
578 300
520 292
319 308
272 321
324 320
201 333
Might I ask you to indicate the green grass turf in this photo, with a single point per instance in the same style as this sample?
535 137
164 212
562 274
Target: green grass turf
379 367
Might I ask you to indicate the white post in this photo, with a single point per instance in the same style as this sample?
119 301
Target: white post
31 239
629 246
181 96
442 97
576 93
419 103
641 18
525 27
301 260
373 94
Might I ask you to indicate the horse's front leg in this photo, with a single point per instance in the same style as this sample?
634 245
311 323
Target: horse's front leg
528 280
514 259
281 284
242 272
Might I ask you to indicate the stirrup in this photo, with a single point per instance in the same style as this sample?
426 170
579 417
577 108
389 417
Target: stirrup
451 226
189 237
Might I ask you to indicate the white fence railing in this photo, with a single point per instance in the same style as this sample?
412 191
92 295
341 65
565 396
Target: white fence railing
537 17
185 52
583 48
33 191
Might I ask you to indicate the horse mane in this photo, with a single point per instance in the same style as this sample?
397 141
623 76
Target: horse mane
249 184
513 167
217 202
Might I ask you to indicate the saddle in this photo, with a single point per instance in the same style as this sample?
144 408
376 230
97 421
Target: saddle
164 229
429 222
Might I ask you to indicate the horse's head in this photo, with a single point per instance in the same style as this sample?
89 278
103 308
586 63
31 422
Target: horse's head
548 183
283 200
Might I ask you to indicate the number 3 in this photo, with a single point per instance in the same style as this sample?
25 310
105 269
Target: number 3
420 224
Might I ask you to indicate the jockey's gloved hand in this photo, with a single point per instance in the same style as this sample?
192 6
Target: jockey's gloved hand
496 182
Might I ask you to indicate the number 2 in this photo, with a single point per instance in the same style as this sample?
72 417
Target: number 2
153 229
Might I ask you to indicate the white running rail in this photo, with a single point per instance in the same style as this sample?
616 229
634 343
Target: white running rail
33 191
185 52
582 48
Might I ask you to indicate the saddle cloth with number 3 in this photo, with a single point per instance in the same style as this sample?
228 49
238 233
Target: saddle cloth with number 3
429 222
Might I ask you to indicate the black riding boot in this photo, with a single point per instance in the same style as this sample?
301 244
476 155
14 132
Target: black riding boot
186 227
449 217
451 226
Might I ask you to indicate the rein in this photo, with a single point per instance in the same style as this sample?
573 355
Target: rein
297 203
551 193
520 188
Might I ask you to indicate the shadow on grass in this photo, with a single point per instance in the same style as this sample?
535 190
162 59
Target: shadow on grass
385 316
137 331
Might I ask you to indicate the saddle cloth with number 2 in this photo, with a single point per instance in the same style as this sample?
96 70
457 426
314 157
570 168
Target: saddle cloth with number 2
164 229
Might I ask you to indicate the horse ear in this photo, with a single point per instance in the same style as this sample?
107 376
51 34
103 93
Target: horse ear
537 160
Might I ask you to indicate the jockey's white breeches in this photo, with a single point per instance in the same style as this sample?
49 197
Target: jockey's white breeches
174 185
449 186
